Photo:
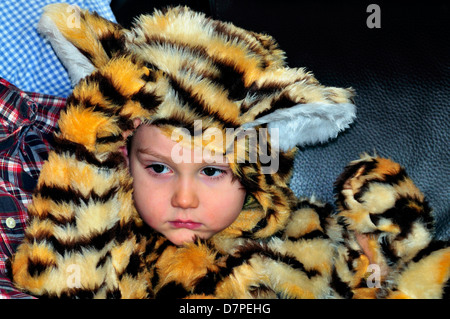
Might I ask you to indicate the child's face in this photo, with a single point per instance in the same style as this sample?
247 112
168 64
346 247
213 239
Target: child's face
181 200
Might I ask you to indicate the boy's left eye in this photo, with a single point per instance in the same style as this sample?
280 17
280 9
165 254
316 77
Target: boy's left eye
213 171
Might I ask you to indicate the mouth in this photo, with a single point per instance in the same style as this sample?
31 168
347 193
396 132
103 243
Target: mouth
184 224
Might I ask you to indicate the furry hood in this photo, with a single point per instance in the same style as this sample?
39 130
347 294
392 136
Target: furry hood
179 69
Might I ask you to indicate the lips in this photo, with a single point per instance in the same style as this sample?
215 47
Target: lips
184 224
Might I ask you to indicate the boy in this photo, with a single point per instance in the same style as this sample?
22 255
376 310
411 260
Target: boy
201 228
181 200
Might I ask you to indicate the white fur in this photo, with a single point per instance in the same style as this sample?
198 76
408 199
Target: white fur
310 123
77 65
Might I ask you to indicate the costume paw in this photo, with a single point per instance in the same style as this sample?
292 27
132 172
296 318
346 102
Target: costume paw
384 209
375 194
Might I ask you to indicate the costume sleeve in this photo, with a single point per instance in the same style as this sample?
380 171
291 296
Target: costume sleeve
389 234
77 243
27 121
80 234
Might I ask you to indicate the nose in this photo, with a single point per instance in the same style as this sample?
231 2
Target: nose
185 194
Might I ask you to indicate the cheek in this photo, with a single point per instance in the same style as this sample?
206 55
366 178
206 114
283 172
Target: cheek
229 203
150 201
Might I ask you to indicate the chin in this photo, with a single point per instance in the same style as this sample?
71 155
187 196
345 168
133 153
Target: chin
182 239
185 238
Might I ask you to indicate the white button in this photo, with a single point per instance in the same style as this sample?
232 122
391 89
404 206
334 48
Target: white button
10 222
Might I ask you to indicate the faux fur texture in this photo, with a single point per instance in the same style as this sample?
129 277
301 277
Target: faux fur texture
85 238
77 65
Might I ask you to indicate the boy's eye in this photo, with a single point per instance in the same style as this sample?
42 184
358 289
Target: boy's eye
212 171
159 168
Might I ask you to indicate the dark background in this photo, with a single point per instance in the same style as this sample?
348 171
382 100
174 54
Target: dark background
401 73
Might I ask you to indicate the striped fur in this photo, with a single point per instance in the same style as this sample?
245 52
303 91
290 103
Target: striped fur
85 238
387 217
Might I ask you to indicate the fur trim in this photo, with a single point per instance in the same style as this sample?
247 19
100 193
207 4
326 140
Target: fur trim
77 65
305 124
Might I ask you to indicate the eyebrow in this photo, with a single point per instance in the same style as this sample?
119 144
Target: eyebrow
150 152
168 159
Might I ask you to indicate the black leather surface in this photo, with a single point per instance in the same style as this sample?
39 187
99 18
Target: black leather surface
401 73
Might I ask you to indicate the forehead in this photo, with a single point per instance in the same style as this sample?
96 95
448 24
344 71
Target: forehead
169 144
151 135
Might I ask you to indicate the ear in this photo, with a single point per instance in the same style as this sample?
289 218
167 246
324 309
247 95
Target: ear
306 124
302 111
125 135
82 41
77 65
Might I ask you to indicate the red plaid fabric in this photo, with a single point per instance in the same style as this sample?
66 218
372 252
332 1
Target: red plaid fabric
27 121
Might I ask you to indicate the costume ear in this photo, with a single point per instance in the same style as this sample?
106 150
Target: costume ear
82 40
303 111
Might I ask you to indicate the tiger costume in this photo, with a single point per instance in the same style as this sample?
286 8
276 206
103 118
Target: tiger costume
176 67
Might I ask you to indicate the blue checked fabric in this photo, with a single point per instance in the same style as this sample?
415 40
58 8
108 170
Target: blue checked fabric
26 59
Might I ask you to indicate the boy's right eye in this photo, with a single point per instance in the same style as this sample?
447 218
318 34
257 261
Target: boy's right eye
159 168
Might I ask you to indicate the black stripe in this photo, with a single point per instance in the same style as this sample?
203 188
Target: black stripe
403 215
285 165
389 253
263 222
261 48
247 252
339 286
231 80
82 154
95 241
37 266
349 172
109 139
206 284
123 122
281 102
148 100
61 220
394 179
269 179
70 195
315 234
114 294
229 77
266 89
197 104
86 102
446 292
323 211
108 89
431 248
102 261
351 256
172 290
125 231
112 44
162 247
250 181
134 266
